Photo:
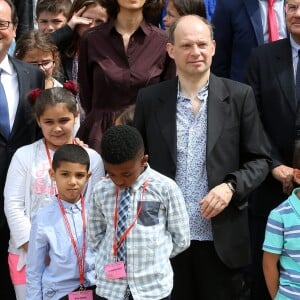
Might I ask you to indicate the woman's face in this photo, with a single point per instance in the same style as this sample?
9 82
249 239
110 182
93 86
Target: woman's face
171 16
96 13
132 5
42 59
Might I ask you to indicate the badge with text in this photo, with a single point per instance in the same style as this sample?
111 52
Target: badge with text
81 295
115 270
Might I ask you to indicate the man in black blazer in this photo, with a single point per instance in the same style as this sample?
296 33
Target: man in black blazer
229 159
22 78
271 73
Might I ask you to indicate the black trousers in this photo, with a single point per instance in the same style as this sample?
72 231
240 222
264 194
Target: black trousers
259 289
130 298
200 274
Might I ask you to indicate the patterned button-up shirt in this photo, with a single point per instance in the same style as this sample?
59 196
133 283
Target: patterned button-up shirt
161 232
191 175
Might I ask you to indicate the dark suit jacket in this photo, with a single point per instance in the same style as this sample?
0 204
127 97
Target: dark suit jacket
25 129
236 146
237 29
271 75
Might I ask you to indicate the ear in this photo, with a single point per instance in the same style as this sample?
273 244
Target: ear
144 160
88 175
52 174
170 49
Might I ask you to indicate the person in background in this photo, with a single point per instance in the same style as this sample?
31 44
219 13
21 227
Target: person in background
125 117
52 14
116 59
17 126
28 185
205 132
240 26
37 48
272 73
84 14
177 8
58 229
281 249
155 227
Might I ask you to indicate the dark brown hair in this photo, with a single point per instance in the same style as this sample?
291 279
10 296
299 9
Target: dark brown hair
151 9
35 39
190 7
53 6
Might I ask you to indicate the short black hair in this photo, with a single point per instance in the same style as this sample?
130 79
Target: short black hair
70 153
120 144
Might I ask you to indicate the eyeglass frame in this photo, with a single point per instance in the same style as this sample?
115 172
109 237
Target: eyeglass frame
294 6
43 64
7 24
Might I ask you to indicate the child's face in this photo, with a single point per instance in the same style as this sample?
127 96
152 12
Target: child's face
43 59
71 179
125 174
96 13
57 124
171 16
49 22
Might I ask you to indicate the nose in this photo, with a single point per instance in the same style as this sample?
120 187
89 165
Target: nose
49 28
72 180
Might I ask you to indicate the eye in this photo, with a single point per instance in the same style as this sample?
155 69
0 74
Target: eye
57 22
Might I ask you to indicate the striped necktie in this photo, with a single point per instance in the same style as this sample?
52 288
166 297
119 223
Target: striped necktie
123 210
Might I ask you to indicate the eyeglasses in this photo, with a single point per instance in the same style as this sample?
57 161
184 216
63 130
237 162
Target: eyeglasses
291 8
44 64
4 24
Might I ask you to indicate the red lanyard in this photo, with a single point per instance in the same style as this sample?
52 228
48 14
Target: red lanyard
116 245
80 258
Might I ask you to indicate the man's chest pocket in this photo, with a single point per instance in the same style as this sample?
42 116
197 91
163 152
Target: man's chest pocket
149 213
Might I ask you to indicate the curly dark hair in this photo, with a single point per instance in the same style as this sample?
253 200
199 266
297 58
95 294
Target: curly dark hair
120 144
151 9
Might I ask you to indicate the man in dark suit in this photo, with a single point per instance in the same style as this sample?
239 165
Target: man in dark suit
240 26
205 132
18 79
271 73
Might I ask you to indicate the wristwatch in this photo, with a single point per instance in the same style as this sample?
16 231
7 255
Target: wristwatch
231 186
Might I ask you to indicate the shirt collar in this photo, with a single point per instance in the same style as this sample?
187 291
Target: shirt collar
181 97
144 27
144 176
72 207
6 66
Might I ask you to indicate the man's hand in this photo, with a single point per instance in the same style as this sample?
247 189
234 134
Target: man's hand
215 201
285 175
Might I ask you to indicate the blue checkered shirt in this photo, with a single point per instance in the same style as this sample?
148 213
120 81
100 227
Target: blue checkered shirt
161 232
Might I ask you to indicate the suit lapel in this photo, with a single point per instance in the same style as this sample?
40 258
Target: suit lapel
216 111
252 7
166 115
23 110
283 62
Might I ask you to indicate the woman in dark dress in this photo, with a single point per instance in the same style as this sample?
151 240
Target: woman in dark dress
118 58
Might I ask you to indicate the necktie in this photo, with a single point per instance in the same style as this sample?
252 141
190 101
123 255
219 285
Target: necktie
272 22
122 217
4 116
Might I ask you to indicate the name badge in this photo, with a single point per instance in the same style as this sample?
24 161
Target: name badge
115 270
81 295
